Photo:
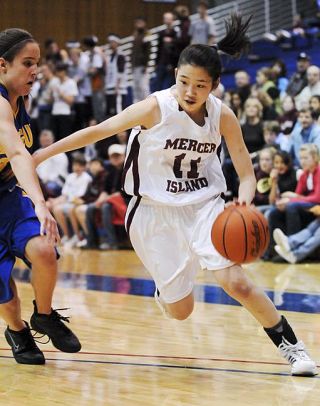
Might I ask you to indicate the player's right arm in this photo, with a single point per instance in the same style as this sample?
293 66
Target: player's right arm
145 114
23 168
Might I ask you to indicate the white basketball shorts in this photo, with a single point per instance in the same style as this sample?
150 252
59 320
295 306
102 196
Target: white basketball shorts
174 242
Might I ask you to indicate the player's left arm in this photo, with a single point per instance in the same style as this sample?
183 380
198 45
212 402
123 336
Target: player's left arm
231 130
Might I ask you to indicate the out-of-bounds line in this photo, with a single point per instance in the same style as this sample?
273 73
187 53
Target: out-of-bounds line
136 364
110 354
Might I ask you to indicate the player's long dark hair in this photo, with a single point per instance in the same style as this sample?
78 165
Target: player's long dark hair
235 43
12 41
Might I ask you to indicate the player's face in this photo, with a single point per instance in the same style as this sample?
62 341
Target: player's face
193 87
20 74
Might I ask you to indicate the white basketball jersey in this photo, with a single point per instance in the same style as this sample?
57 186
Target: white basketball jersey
175 162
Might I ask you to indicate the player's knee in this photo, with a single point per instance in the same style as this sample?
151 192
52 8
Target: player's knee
13 305
239 288
43 253
181 312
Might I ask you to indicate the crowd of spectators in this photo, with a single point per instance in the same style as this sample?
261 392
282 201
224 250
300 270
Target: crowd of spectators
84 84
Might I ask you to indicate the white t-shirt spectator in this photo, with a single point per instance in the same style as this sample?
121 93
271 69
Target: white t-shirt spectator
76 185
54 169
68 88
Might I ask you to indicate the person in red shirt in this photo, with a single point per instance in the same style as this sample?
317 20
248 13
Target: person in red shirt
291 212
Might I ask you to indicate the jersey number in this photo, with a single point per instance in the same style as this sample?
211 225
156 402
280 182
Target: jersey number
192 174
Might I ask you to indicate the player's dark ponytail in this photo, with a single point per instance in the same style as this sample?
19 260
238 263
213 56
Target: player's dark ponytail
234 43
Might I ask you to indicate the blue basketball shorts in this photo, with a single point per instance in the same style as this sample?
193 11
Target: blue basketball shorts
18 224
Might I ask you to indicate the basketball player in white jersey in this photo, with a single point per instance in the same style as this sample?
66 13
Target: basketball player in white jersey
174 175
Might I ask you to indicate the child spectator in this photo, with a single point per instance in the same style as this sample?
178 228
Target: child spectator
271 130
75 186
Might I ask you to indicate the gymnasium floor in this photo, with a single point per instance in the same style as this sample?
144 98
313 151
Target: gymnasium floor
133 356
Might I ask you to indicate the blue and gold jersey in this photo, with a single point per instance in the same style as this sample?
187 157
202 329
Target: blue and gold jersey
22 124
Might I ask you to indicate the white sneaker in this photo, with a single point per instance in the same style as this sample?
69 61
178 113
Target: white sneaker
281 239
64 240
297 356
161 305
81 243
72 242
287 255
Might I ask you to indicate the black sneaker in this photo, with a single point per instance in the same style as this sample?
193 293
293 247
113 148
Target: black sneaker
24 348
51 325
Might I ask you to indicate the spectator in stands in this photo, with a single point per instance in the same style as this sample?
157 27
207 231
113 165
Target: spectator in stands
182 13
283 176
139 60
75 186
47 82
305 131
64 93
77 215
115 80
54 171
271 131
53 54
202 30
167 54
279 74
291 212
236 106
78 74
288 117
243 87
252 129
312 88
299 79
265 83
296 247
262 172
268 105
109 203
92 61
314 104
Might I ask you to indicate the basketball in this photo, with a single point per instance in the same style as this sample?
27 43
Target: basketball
240 234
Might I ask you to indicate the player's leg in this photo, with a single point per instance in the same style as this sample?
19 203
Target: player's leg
158 237
17 333
45 320
237 284
26 243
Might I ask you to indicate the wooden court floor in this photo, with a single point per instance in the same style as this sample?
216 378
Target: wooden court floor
131 355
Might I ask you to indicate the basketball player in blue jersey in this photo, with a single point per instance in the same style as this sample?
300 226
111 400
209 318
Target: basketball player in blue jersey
27 229
174 175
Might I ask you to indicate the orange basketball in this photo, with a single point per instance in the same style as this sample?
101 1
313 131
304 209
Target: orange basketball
240 233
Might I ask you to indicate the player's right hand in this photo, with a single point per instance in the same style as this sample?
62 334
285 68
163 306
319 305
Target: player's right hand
48 225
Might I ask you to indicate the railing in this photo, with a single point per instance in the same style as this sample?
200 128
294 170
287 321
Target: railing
268 16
